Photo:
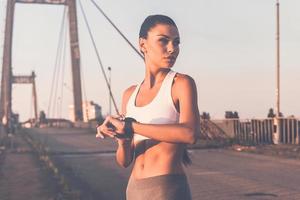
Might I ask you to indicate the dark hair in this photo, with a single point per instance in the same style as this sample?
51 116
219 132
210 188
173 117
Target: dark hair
186 160
153 20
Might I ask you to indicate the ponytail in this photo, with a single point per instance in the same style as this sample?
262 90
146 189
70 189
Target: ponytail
186 160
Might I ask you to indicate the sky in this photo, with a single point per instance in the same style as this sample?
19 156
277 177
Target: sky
228 47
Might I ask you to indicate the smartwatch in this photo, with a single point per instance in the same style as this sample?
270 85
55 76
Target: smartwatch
128 130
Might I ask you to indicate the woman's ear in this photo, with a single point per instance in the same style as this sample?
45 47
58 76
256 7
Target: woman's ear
142 45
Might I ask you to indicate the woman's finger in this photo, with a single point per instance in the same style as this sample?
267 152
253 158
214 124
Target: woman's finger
109 133
101 129
105 131
118 123
119 117
99 134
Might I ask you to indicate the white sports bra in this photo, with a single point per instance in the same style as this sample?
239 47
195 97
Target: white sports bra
160 110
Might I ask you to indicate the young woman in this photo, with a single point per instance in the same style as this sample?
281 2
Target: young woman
162 117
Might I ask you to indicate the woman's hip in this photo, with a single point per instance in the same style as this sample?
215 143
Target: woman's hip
162 187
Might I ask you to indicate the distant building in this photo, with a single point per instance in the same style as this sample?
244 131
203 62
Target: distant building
90 111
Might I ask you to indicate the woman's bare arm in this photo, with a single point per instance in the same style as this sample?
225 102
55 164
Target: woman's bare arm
125 151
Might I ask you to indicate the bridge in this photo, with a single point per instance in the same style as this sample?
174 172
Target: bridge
55 163
70 163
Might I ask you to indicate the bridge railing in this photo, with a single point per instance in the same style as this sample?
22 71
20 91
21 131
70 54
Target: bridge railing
260 131
210 131
289 131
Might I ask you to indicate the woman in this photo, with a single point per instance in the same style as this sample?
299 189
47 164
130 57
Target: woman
161 118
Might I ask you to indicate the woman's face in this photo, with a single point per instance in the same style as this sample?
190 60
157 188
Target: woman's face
161 47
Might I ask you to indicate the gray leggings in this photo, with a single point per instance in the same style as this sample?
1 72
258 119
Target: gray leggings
164 187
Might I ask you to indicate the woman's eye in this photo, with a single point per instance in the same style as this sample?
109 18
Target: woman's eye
163 40
176 43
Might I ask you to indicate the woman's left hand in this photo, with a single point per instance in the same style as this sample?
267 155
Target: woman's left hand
111 126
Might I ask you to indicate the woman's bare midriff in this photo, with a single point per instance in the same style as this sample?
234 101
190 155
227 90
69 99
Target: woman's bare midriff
154 158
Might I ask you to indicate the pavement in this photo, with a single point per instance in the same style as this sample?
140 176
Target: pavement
291 151
21 176
89 166
226 174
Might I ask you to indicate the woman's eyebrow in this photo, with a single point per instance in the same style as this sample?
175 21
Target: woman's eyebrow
177 38
163 35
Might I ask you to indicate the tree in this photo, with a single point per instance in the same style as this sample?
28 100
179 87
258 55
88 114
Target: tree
42 117
236 115
271 113
205 115
231 115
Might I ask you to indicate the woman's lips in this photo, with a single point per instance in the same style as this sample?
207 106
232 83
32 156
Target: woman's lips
170 59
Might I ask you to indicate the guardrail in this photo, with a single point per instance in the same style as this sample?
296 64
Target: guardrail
260 131
289 130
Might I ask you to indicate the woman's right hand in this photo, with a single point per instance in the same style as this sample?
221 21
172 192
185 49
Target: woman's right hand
110 127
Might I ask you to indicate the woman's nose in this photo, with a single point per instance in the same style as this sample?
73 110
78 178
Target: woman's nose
170 47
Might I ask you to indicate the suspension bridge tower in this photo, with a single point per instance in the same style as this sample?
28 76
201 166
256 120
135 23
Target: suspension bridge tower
7 76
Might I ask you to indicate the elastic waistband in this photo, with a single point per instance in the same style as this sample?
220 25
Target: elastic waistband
160 180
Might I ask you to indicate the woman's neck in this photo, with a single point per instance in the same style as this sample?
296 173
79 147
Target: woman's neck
153 77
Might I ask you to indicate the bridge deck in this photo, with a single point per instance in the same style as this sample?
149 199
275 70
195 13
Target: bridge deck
215 173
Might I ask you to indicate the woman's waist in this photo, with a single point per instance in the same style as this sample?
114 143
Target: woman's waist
156 166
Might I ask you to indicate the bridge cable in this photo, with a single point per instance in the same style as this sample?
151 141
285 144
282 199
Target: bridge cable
56 63
60 74
59 68
60 106
98 57
86 111
118 30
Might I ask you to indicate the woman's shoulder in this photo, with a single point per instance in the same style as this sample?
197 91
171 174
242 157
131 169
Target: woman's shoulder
128 92
184 88
181 80
126 95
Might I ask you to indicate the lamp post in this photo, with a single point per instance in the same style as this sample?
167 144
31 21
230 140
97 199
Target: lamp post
109 80
276 136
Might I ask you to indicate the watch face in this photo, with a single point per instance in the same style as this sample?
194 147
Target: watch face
123 136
